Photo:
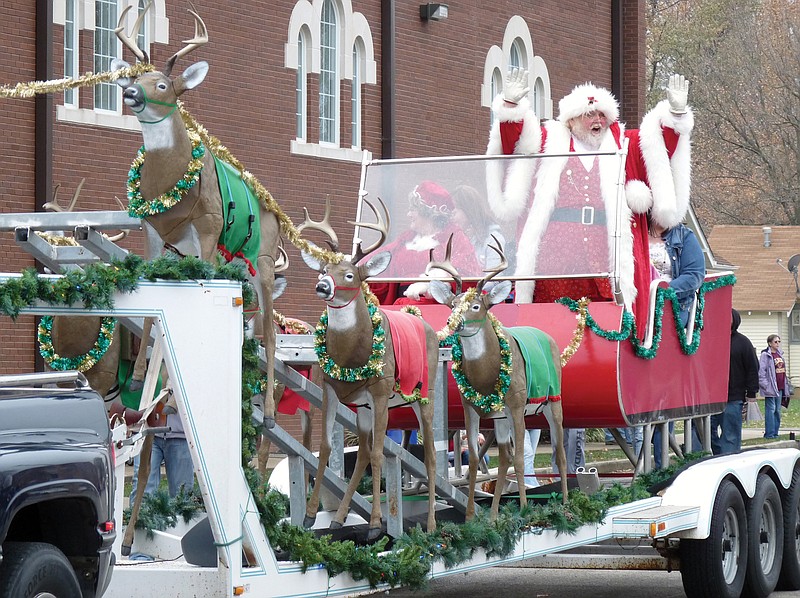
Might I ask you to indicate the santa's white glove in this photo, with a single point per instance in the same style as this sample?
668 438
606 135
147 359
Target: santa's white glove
516 86
678 94
418 290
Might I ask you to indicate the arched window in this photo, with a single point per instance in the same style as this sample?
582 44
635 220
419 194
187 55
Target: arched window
328 75
106 47
496 87
355 99
71 49
539 98
143 39
300 89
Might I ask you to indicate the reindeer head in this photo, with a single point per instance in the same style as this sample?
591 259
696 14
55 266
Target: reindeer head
339 283
475 315
153 96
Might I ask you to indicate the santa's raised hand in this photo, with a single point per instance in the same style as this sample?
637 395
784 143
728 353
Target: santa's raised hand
516 86
678 94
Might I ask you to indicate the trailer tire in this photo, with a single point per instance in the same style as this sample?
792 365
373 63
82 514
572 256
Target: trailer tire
715 567
790 570
36 569
765 539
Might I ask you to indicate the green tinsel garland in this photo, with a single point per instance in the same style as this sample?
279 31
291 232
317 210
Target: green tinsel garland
496 400
139 207
628 328
374 366
80 363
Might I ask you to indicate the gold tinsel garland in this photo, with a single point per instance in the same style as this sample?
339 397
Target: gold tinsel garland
458 313
577 336
57 240
34 88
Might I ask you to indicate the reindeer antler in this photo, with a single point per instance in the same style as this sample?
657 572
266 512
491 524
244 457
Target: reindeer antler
200 38
382 226
130 40
282 261
323 225
497 269
53 206
446 265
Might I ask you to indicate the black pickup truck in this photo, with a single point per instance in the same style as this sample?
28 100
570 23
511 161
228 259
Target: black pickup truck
56 488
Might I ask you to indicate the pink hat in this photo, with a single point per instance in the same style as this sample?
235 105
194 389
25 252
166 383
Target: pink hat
588 98
432 196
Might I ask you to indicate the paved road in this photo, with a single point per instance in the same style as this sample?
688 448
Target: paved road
521 582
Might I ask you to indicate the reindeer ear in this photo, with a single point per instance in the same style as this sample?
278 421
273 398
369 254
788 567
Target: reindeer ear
375 264
441 291
191 77
311 261
499 292
116 64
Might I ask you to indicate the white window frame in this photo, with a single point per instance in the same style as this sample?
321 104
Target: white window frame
517 47
353 29
71 47
107 96
355 100
301 88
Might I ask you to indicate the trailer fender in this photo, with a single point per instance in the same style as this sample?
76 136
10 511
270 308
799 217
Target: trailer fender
698 485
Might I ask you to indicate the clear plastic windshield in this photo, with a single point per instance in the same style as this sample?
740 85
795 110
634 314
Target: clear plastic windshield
549 217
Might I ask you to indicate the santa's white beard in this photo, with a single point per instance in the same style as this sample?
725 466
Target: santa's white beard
591 140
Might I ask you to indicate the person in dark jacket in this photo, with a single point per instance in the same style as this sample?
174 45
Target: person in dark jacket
742 384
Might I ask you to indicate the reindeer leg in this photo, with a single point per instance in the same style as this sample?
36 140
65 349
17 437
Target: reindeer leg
140 365
555 417
328 419
472 422
502 429
519 450
424 414
380 417
266 281
363 419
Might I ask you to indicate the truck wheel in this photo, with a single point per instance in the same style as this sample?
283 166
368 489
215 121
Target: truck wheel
790 571
36 569
765 539
715 567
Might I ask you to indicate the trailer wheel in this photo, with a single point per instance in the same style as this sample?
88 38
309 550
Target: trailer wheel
765 539
36 569
790 571
715 567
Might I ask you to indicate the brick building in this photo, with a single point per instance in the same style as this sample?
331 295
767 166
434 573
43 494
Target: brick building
373 72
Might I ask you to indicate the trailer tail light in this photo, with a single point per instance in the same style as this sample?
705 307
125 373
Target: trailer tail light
238 590
107 527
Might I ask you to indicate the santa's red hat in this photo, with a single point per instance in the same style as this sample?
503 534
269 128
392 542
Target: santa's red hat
431 198
588 98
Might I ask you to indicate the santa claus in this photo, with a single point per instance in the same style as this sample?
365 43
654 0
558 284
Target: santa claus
566 205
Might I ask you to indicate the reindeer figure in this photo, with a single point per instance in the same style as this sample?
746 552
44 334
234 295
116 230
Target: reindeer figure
287 326
202 221
349 341
483 361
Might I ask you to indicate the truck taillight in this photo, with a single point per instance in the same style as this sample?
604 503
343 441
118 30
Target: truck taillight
107 527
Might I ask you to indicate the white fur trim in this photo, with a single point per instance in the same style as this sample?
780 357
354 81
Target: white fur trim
639 197
508 183
577 103
546 196
670 179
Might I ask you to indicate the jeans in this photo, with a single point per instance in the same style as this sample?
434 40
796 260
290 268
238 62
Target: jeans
730 423
574 440
772 416
696 444
180 471
531 442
